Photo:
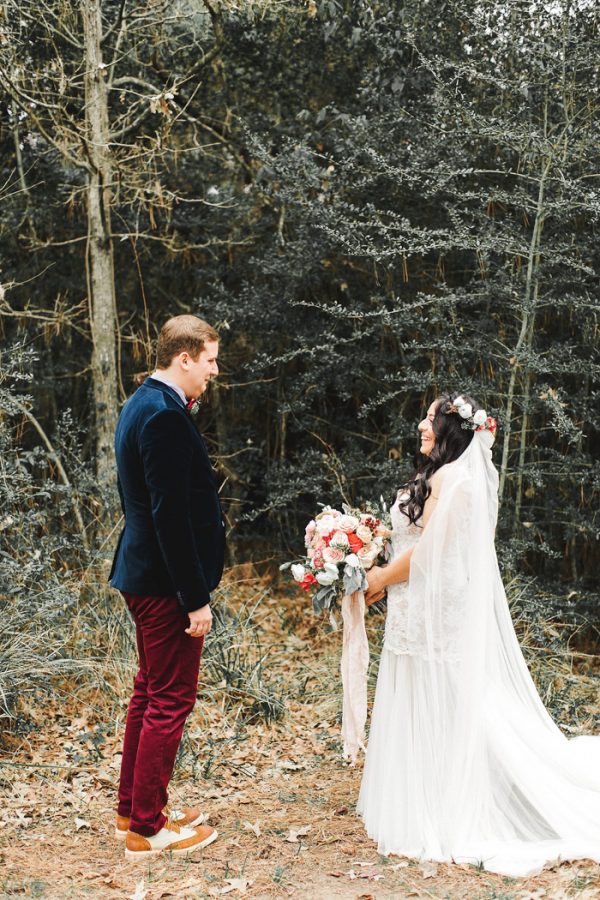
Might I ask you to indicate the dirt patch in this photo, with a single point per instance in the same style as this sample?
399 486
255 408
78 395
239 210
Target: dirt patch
280 795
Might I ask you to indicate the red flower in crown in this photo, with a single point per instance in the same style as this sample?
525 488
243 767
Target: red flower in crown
490 424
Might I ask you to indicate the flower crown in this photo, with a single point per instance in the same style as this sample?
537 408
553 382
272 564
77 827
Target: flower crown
474 421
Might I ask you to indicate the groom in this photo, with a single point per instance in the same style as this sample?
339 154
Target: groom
168 560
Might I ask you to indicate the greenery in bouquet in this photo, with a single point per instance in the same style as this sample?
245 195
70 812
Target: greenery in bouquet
340 548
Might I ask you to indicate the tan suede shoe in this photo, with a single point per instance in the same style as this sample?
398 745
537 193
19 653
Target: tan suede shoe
189 816
172 838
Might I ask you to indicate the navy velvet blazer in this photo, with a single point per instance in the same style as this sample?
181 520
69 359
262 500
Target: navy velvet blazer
173 542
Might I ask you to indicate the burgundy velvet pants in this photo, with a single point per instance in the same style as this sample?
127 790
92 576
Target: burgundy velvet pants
164 693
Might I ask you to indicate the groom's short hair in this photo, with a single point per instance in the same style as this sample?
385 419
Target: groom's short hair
181 333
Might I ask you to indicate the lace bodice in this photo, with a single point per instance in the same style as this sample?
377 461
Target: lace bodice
425 617
404 536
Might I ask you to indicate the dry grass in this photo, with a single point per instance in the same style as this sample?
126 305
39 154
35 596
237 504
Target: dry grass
272 780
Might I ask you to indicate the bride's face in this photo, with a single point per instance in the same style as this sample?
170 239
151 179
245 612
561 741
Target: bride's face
426 431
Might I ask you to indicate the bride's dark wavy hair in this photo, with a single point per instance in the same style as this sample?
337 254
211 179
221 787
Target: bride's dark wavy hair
451 441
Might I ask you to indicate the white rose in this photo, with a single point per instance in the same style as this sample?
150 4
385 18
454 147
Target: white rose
328 574
465 410
347 523
480 417
339 539
458 402
298 572
364 533
353 561
325 524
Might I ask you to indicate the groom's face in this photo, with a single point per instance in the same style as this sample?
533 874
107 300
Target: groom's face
200 371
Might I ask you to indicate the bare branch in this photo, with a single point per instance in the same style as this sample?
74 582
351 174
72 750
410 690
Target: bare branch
55 458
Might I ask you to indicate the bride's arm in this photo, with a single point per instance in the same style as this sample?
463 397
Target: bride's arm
380 577
398 570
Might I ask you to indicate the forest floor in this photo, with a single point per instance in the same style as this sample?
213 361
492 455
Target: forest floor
278 792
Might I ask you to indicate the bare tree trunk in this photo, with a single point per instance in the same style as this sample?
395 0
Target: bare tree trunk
526 332
233 507
16 112
99 251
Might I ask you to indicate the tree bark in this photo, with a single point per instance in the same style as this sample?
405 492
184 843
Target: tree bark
99 250
525 338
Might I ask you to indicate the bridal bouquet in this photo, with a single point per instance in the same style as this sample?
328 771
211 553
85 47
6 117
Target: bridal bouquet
340 548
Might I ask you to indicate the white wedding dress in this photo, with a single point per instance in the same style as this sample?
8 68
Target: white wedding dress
464 763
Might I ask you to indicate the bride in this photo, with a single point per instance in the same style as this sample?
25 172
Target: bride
464 763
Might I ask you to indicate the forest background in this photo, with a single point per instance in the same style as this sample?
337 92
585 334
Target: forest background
372 201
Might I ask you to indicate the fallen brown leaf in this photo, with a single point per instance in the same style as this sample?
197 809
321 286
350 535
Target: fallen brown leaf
255 829
429 870
294 833
235 884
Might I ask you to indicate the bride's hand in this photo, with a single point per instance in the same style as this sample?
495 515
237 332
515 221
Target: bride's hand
376 589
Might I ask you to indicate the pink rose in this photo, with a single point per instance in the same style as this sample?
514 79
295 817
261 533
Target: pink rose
365 534
309 532
333 555
317 560
347 523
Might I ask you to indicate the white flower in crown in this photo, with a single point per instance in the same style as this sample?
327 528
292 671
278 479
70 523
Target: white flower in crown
475 421
462 407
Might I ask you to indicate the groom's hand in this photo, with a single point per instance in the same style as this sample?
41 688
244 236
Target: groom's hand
200 622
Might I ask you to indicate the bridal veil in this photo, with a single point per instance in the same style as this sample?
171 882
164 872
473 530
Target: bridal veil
464 762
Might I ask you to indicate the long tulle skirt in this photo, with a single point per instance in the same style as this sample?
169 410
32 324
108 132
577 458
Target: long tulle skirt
499 787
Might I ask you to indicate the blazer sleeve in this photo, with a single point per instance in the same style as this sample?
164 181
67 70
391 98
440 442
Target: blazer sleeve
167 452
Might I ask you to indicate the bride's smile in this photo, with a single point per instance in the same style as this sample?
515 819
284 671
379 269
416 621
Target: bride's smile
426 431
